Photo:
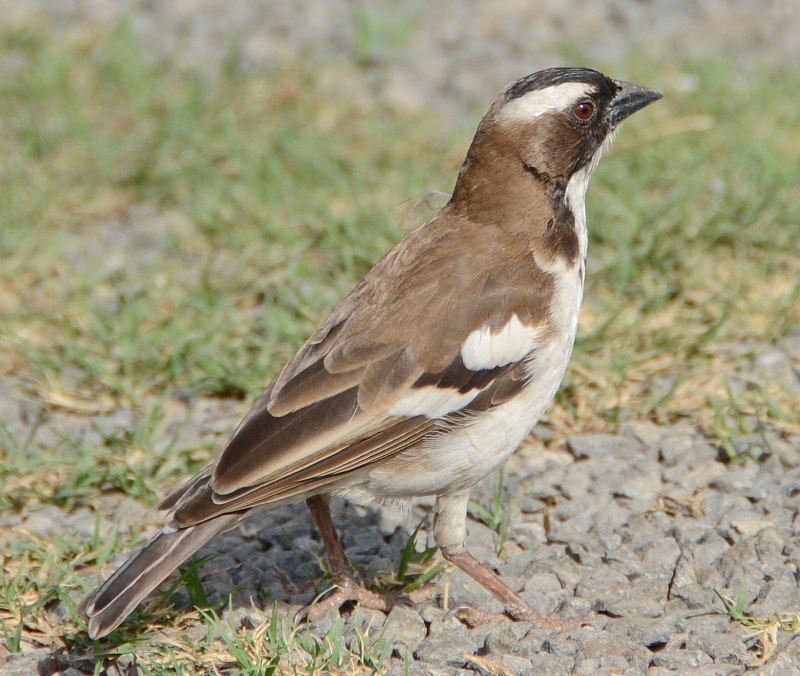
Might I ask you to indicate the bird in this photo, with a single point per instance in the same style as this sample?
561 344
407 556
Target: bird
434 368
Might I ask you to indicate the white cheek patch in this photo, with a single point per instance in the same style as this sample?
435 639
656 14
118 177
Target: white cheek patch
540 101
431 401
487 349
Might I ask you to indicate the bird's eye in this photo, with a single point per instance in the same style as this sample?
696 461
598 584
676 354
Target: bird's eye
584 110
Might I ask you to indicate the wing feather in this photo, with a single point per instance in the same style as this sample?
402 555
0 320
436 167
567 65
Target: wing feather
200 500
265 445
312 385
387 362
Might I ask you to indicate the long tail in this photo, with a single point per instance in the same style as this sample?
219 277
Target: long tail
110 604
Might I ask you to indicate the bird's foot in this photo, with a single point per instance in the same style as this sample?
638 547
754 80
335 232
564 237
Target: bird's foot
350 591
516 608
475 617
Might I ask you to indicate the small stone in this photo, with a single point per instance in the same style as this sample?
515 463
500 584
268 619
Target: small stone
633 606
688 532
726 647
443 652
749 527
614 654
520 565
709 549
519 630
531 505
694 596
446 626
576 487
652 633
662 555
57 613
675 445
367 619
500 642
514 583
646 432
546 604
695 478
552 665
788 454
651 585
322 625
781 596
603 583
681 661
464 591
604 447
431 613
543 583
47 665
405 629
513 664
126 665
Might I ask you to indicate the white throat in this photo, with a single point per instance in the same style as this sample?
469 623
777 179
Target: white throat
575 195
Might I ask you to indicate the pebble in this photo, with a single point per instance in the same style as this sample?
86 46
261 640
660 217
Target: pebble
406 629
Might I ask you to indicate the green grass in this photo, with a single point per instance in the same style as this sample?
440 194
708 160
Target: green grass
495 515
694 240
169 236
763 630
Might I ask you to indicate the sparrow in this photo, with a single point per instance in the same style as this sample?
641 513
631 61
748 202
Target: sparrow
435 368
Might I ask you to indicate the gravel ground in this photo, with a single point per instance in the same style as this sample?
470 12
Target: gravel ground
416 54
639 527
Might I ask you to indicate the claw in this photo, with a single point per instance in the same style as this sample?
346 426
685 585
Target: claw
348 593
475 617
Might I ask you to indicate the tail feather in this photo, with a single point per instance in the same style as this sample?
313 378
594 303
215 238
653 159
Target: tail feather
112 602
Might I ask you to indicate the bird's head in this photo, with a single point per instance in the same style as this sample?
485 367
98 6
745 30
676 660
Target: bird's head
544 129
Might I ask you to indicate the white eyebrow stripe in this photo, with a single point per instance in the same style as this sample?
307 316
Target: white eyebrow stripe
540 101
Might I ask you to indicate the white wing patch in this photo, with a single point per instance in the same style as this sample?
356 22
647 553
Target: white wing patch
483 349
540 101
431 401
487 349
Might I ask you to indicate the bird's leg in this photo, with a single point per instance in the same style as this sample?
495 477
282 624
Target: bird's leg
342 571
450 532
321 513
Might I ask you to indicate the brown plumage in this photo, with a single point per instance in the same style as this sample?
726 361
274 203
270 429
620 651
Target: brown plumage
461 332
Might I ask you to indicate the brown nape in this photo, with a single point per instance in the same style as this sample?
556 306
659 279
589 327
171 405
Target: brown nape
495 187
515 182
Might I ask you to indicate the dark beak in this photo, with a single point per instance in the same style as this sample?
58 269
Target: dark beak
630 98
